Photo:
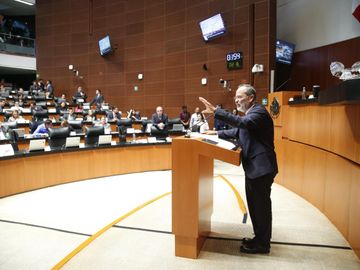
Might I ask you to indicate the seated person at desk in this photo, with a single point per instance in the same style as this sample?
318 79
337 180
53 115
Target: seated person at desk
61 99
79 94
90 116
159 119
34 88
185 117
98 100
15 116
201 125
21 100
113 115
65 123
134 115
103 122
62 108
2 105
16 107
79 108
70 115
43 128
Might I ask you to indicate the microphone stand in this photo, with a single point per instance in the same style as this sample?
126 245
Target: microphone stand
188 131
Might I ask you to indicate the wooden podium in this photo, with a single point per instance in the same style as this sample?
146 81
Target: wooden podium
192 191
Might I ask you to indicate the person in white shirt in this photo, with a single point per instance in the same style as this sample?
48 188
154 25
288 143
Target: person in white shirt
194 117
16 107
202 124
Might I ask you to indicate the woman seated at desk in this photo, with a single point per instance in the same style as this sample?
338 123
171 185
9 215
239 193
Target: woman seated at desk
201 125
90 117
134 115
15 117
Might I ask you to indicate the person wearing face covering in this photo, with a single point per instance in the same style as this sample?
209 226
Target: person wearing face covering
254 133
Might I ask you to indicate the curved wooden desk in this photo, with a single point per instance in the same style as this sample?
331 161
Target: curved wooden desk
318 150
34 171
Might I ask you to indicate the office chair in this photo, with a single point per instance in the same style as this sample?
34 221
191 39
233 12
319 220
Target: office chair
144 124
57 137
92 135
173 121
7 115
40 115
76 125
127 123
160 134
122 134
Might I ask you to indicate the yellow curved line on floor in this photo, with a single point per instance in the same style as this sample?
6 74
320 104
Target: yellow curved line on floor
96 235
237 194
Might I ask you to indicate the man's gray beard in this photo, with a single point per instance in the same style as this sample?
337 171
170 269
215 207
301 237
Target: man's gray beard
241 109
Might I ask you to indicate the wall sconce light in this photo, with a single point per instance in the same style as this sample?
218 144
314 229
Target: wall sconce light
203 81
257 68
140 76
71 67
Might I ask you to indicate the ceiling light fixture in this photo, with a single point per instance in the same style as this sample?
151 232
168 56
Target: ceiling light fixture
25 2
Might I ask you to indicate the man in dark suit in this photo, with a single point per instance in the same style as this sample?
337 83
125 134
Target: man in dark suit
254 133
159 119
113 115
98 100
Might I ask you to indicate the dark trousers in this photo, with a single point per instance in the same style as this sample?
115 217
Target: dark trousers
258 192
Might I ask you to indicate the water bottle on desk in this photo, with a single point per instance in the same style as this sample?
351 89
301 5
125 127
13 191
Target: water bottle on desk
134 138
303 93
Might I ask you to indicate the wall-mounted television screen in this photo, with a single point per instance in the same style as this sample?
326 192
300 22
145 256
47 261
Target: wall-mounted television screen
105 45
284 52
212 27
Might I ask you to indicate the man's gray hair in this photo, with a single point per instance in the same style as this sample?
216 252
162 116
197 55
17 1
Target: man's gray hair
250 90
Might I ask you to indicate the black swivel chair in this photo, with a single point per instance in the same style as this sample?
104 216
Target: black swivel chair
40 115
173 121
57 137
76 125
7 115
92 135
144 124
160 134
8 130
122 134
127 123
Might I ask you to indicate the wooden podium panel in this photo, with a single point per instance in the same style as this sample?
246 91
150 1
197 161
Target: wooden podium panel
192 191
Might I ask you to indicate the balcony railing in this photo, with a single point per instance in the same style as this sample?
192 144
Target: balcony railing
15 44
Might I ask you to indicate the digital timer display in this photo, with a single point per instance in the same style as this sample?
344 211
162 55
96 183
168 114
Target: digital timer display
234 60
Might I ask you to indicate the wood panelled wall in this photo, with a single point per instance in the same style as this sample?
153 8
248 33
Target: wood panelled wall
159 38
312 67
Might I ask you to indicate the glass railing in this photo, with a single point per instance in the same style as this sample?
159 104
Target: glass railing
16 44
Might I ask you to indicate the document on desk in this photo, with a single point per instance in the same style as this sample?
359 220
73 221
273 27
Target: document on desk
214 139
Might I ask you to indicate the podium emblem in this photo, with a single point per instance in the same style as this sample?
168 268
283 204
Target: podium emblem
274 108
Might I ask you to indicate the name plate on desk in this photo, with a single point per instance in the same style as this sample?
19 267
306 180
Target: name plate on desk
6 150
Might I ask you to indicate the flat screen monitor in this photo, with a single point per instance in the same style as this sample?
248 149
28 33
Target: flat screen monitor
284 52
105 45
212 27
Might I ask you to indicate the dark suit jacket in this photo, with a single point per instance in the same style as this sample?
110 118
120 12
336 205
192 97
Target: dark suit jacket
157 120
254 133
98 100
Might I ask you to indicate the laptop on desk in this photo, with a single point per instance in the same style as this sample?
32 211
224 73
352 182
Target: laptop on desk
37 145
178 127
72 142
20 132
104 139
